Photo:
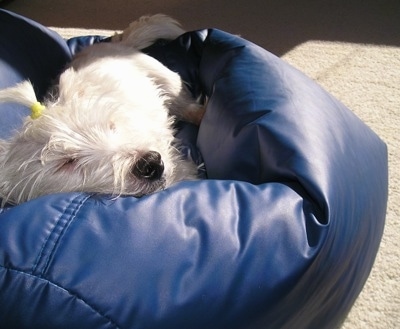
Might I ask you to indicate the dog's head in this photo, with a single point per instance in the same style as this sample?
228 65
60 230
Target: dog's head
95 145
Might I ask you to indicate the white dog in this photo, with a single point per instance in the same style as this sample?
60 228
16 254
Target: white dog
110 127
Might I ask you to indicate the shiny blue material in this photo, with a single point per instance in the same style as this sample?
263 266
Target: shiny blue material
283 234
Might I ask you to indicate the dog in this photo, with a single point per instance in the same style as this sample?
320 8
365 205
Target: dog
109 128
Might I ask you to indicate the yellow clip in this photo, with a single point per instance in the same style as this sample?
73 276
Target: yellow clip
37 109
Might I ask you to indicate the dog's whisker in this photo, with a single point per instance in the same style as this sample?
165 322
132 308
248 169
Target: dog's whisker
25 185
34 186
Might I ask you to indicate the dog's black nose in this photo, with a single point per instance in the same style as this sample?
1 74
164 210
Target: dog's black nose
150 166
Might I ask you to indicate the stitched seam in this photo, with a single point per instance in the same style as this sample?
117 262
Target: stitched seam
47 241
64 228
74 295
53 238
35 265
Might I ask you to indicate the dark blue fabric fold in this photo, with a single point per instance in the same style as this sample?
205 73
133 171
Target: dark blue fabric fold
27 51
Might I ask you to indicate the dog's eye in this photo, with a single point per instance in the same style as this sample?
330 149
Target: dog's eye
69 163
112 127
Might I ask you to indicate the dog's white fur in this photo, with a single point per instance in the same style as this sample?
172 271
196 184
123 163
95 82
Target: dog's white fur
110 129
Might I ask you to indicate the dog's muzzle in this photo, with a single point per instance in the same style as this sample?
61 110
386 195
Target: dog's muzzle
150 166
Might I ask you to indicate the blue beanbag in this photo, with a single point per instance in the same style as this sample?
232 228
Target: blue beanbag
282 234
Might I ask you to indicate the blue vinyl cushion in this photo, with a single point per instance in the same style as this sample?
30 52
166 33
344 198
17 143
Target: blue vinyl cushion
282 234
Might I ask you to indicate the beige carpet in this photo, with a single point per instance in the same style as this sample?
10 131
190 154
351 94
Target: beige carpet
351 49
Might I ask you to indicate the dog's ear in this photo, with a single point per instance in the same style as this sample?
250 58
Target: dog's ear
22 93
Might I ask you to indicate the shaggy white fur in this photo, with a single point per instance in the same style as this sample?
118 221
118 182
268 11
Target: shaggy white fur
110 129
